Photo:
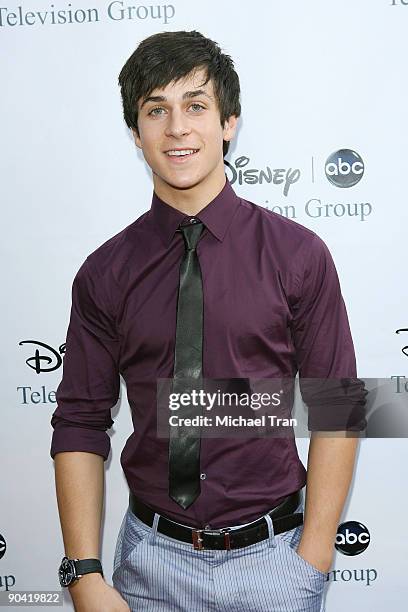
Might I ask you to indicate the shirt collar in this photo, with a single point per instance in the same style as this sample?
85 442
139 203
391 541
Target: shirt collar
216 216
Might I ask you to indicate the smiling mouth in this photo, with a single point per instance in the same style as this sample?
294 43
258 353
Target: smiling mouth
181 152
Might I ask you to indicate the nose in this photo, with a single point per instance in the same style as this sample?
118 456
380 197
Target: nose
177 125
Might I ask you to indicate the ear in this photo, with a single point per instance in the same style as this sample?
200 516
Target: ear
136 138
229 129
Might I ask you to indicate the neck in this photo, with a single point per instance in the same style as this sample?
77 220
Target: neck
190 201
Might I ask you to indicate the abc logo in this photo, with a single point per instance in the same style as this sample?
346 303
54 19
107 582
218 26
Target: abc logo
2 546
352 538
344 168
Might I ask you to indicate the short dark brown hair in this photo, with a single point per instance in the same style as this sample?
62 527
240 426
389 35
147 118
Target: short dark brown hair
170 56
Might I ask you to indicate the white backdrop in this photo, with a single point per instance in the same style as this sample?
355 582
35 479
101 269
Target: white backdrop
316 77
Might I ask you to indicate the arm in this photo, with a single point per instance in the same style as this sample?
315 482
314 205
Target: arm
325 355
79 479
329 473
80 444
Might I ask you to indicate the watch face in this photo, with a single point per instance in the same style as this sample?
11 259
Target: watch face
66 572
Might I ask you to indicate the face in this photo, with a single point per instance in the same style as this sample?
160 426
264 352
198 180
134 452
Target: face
181 135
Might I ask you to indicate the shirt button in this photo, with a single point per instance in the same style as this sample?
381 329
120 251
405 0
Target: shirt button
203 476
193 220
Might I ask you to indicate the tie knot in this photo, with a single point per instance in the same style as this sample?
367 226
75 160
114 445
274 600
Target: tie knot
191 234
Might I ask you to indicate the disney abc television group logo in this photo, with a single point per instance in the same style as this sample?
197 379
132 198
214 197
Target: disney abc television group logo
352 538
45 358
344 168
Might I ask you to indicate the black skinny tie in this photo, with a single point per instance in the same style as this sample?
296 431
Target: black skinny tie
184 442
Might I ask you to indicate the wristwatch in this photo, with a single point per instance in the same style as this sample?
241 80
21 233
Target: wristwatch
73 569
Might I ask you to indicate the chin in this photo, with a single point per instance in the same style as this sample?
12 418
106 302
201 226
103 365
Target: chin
180 182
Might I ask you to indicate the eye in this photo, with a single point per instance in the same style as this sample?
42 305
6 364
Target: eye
154 113
196 106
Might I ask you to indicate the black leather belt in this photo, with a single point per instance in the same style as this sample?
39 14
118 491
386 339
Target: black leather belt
283 518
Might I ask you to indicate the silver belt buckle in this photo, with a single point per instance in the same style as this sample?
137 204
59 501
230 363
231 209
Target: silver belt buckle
227 539
198 540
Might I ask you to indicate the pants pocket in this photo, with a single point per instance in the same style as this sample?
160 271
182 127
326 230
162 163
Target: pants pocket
132 533
290 539
304 562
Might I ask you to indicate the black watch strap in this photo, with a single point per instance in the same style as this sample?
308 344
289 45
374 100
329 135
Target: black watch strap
72 569
88 566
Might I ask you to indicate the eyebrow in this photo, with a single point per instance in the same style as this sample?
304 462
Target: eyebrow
186 96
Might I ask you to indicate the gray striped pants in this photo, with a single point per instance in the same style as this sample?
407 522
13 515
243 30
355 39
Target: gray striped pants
156 573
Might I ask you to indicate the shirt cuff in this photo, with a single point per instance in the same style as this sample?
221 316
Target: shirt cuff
69 438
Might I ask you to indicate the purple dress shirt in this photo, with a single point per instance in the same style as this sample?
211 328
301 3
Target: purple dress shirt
272 307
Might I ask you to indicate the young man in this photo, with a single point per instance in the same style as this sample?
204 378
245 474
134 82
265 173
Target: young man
202 284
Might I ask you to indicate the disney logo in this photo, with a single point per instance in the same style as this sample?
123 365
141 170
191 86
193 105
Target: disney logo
41 358
253 176
405 348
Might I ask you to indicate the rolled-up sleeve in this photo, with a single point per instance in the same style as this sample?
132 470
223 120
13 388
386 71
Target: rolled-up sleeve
90 382
324 347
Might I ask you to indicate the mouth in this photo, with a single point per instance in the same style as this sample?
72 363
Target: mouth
179 155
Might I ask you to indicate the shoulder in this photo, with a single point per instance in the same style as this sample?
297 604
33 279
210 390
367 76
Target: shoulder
112 255
296 253
286 235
